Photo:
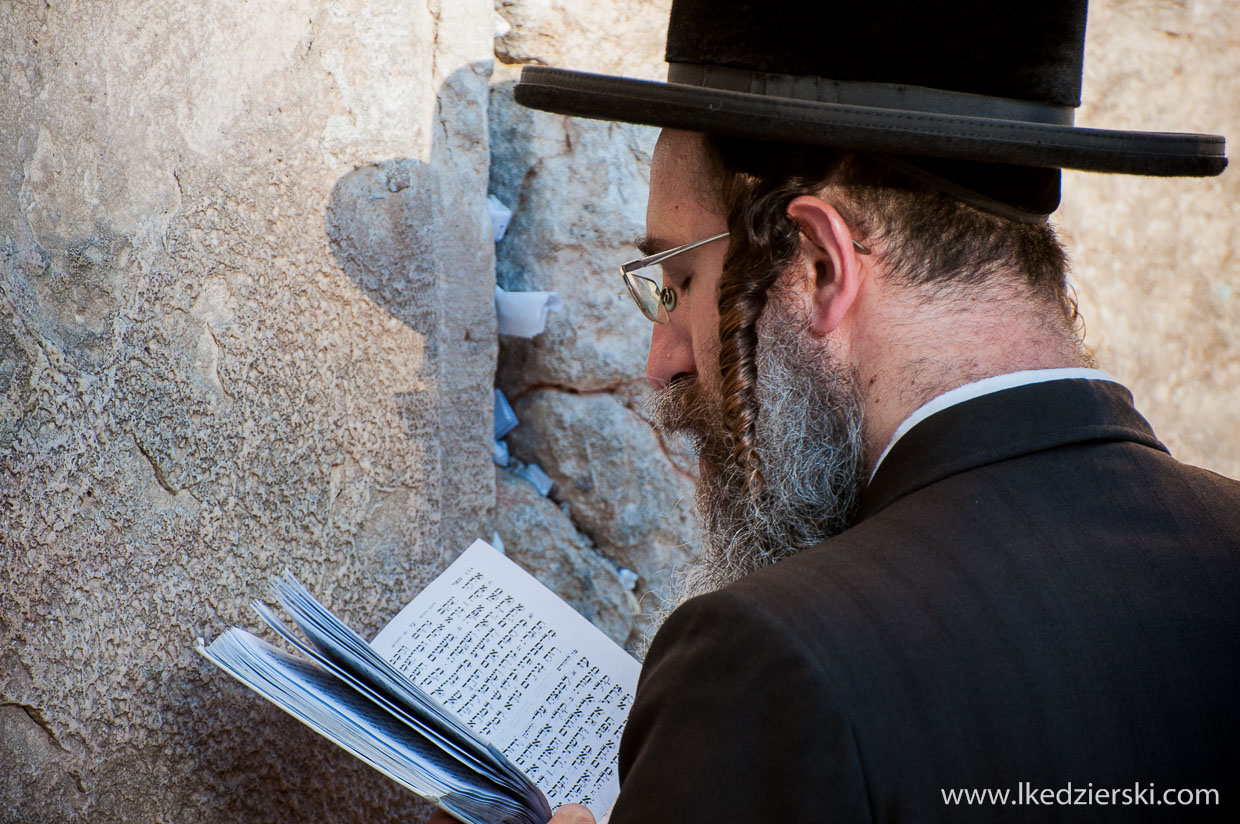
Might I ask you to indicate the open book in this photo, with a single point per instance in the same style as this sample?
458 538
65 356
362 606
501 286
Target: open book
486 695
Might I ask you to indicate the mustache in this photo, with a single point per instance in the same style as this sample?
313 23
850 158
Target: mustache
679 408
685 409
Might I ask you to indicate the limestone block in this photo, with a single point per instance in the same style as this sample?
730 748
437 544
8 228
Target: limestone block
607 38
539 536
578 191
1156 261
245 325
623 491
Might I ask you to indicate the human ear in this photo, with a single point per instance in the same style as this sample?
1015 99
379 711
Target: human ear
833 273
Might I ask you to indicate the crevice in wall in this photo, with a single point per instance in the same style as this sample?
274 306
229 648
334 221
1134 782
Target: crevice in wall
33 713
509 60
159 473
565 506
667 453
606 389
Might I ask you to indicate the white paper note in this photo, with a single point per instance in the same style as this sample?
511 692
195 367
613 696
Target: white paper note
524 314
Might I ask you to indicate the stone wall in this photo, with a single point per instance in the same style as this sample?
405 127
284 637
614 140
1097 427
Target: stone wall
246 324
578 190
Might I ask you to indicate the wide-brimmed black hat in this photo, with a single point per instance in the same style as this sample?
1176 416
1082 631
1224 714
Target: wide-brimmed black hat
943 86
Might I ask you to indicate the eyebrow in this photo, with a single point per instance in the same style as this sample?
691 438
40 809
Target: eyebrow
649 245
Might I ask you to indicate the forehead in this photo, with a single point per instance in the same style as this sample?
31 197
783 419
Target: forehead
681 188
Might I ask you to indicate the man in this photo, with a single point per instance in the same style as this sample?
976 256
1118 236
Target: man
943 552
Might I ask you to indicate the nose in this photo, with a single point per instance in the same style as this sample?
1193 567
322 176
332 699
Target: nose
671 354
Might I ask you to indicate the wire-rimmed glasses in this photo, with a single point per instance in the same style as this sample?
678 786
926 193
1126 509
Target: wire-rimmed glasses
657 301
654 300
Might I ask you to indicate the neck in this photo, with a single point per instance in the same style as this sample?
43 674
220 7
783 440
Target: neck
903 365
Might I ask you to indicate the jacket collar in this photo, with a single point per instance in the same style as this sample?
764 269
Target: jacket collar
1003 425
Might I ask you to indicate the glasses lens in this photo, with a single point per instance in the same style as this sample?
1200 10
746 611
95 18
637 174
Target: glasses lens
647 295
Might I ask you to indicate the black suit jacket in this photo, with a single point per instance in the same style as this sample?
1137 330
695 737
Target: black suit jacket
1035 594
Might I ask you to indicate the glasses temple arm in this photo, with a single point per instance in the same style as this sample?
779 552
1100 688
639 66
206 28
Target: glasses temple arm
659 257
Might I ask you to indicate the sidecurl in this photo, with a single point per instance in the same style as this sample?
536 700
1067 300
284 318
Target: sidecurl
764 243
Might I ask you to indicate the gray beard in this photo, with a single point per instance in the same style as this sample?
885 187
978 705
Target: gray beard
809 437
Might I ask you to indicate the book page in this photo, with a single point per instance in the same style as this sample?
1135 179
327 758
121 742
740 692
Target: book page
338 712
521 669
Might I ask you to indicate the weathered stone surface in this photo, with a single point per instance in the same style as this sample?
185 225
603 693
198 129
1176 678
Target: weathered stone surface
245 324
578 188
578 191
609 38
540 537
1157 261
608 465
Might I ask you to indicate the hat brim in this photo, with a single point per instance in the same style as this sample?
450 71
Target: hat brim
891 131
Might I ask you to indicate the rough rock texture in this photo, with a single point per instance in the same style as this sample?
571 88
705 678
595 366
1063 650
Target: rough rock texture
608 38
245 324
618 486
1157 261
578 188
579 191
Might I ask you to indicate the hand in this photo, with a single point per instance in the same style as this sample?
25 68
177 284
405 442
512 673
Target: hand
567 814
572 814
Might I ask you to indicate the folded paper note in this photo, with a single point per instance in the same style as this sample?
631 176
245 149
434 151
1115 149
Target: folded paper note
524 314
501 215
505 418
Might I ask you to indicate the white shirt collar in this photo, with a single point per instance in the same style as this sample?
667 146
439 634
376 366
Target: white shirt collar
985 387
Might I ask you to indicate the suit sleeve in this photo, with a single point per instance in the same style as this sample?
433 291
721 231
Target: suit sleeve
734 721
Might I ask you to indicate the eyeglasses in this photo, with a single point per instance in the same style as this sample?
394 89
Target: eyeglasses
657 301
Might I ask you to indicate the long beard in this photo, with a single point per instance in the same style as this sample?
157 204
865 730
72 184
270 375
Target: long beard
809 437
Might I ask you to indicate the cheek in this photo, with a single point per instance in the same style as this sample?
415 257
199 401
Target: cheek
706 343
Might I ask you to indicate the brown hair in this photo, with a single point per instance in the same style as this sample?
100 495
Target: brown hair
926 238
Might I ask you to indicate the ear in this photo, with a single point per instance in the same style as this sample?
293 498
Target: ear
832 271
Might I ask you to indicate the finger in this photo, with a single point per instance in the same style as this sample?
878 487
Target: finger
572 814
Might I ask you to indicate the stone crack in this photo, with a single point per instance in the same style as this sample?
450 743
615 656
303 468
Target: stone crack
37 717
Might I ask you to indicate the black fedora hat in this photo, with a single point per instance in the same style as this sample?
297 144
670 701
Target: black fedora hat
953 82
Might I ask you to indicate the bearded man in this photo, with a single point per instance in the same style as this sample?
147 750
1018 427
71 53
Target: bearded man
943 551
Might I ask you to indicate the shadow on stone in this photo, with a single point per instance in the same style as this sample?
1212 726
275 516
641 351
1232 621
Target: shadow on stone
382 225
